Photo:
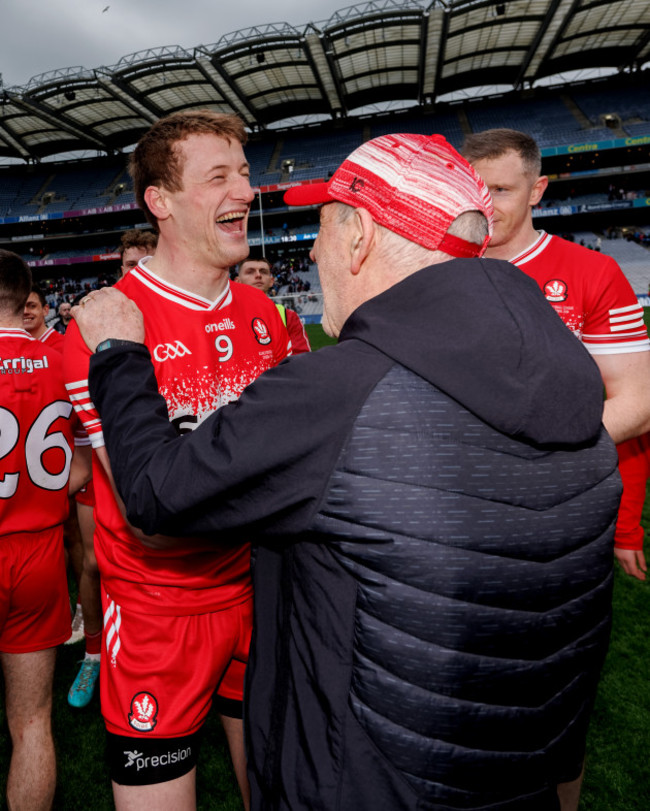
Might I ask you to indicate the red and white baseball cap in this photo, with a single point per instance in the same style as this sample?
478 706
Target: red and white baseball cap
414 185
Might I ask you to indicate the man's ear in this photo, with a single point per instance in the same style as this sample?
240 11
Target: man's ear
362 238
156 200
537 192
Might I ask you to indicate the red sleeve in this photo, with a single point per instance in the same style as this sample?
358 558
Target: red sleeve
282 347
614 318
296 330
76 358
634 467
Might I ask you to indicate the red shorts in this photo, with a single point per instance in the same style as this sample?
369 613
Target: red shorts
34 603
158 673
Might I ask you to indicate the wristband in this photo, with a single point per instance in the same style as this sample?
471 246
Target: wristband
111 343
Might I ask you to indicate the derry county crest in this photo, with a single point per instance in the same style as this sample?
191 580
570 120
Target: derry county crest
261 331
144 712
555 290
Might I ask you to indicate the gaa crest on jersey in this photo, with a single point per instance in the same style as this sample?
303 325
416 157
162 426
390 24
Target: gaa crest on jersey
144 712
261 331
170 351
555 290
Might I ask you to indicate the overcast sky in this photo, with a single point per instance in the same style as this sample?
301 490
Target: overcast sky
37 36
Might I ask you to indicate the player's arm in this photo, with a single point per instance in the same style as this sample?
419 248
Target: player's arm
626 377
633 465
81 468
617 339
632 562
150 541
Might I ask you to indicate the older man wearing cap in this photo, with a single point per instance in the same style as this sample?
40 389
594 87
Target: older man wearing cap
433 509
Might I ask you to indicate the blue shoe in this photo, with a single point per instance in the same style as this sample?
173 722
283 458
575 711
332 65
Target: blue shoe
83 686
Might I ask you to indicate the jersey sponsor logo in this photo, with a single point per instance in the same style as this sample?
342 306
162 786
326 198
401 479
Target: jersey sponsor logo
227 323
556 290
261 331
170 351
141 761
144 712
17 366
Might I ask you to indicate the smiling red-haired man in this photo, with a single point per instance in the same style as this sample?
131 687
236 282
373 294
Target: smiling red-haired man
177 621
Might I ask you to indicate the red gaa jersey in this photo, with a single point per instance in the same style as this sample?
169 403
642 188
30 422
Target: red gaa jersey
204 354
589 292
36 435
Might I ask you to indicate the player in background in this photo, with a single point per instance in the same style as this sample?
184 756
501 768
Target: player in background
258 272
136 244
36 311
591 295
177 622
87 622
589 292
587 289
38 468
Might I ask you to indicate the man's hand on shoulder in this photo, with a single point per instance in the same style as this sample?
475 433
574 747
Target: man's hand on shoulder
107 313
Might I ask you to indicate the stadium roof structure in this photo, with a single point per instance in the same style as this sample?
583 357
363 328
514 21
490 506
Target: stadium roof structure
377 52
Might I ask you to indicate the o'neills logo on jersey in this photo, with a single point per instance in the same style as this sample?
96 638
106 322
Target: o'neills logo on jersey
261 331
555 290
170 351
144 712
222 326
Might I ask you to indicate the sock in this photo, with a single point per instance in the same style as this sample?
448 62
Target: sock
93 645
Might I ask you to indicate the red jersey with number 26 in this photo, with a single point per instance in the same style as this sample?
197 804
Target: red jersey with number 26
589 292
204 353
36 435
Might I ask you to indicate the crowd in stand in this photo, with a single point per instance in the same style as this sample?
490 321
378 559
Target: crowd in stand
285 271
286 275
58 291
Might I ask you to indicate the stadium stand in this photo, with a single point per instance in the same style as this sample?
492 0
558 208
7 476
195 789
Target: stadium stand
595 134
446 123
627 104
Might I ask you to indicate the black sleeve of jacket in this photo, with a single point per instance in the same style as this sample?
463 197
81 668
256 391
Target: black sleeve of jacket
262 462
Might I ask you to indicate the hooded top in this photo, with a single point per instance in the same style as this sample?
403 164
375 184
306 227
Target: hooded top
491 345
433 501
